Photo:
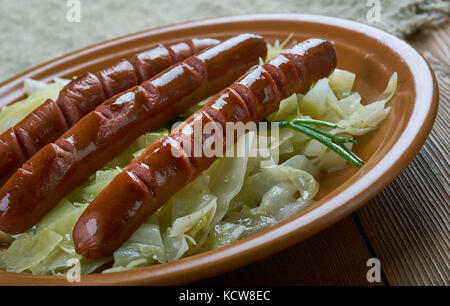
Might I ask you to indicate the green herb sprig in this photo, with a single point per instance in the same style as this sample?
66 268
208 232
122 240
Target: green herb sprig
331 141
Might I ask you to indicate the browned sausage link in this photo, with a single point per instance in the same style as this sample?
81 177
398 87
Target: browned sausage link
49 121
11 154
87 92
102 134
117 78
142 186
43 125
80 96
169 164
152 62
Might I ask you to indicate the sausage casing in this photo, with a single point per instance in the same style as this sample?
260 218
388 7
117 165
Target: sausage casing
167 165
49 121
108 130
43 125
11 154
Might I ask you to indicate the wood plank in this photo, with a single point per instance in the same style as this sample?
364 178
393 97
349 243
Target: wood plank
335 256
435 41
408 224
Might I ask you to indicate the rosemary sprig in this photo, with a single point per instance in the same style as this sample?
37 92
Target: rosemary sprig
354 155
315 122
337 139
333 142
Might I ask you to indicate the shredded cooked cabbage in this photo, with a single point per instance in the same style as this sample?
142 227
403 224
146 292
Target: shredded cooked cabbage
234 198
275 49
5 238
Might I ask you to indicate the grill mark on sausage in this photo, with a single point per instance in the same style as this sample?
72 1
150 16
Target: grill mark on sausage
190 43
72 99
76 99
284 74
47 120
150 62
118 77
65 145
9 140
189 143
142 172
20 144
198 66
259 88
182 51
173 55
247 96
27 168
231 104
175 84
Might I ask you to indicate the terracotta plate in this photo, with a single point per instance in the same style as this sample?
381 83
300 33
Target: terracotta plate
370 53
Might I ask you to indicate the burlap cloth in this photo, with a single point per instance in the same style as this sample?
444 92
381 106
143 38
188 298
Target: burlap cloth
32 32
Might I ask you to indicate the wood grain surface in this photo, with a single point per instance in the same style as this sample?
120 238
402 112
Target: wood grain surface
406 226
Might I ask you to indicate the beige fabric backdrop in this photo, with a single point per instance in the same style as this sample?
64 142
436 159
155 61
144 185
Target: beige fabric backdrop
32 31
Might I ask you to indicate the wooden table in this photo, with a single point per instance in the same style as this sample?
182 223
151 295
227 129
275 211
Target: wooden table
406 226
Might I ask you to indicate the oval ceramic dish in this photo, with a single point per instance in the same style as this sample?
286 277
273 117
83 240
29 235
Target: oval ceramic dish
370 53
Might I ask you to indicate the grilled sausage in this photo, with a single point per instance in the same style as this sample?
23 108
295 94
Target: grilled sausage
11 154
169 164
50 120
102 134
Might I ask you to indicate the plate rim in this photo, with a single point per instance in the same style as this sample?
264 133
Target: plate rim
292 230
